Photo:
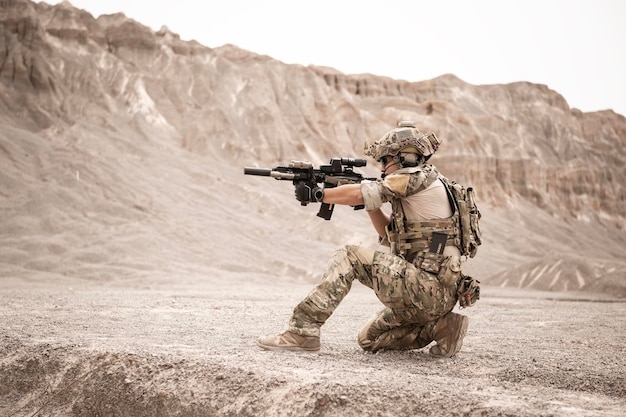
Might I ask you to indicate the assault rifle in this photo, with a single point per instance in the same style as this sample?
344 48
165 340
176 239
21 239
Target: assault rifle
338 172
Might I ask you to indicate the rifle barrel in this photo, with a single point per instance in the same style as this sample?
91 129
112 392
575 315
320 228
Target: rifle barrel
279 175
262 172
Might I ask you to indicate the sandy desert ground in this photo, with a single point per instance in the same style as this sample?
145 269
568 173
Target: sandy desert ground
138 265
160 346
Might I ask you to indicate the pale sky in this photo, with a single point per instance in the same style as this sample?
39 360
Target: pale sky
575 47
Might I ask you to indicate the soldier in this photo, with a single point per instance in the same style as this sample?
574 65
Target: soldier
417 280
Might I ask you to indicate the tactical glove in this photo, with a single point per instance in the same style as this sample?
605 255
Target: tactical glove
468 291
309 192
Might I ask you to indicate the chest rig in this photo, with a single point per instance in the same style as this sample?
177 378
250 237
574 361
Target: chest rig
411 240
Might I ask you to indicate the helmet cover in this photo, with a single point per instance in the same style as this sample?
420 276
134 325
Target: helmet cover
405 138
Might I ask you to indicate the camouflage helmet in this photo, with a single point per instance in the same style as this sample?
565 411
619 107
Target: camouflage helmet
405 138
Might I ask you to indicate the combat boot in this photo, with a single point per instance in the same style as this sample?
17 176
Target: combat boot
449 333
290 341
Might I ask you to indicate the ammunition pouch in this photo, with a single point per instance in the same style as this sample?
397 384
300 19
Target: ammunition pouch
447 268
450 271
468 292
429 262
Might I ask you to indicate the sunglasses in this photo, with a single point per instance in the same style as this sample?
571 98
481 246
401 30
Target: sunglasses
385 160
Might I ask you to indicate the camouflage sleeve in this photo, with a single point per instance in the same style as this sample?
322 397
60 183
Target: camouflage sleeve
372 196
400 184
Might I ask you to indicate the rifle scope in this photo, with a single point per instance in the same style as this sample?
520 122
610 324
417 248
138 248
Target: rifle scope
353 162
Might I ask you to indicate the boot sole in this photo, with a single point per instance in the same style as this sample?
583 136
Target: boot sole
287 348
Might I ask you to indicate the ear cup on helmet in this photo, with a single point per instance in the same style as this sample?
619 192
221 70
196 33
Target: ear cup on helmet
409 159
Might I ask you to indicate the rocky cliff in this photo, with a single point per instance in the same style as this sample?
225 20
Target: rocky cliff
99 117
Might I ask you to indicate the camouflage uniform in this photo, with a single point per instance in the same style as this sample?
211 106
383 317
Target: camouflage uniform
414 299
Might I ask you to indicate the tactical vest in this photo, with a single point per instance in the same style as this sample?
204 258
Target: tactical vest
409 239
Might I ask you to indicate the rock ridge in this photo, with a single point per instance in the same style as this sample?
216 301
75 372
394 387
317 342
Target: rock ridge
66 76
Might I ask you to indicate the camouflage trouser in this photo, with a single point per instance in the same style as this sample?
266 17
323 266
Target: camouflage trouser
413 299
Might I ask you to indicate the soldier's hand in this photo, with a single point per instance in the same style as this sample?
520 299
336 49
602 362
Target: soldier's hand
309 193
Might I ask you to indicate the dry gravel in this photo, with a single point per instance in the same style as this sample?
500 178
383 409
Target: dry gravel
159 347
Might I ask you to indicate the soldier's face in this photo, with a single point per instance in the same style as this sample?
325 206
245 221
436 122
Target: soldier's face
388 165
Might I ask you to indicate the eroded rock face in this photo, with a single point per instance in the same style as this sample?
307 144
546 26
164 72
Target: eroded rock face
64 73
